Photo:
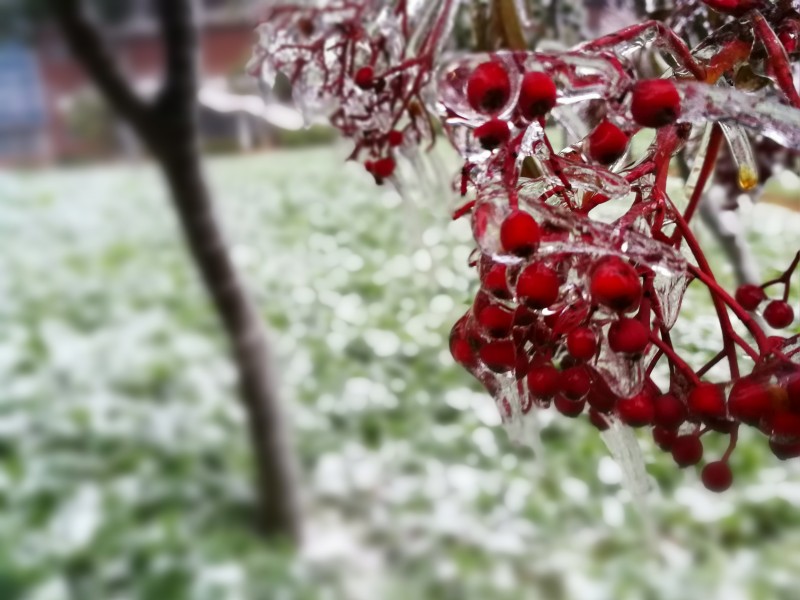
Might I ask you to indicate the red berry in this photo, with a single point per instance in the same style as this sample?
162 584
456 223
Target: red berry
717 476
488 87
793 390
636 411
778 314
365 77
395 138
750 296
628 336
496 321
669 412
687 450
492 134
598 419
496 283
655 102
736 8
785 427
616 285
537 95
460 348
664 438
582 343
567 407
748 401
500 357
520 233
574 383
543 380
607 143
383 168
784 450
537 286
707 401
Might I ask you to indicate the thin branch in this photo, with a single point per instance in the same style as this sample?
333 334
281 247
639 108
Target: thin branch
180 35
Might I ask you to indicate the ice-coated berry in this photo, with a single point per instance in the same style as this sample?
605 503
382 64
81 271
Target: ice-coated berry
499 356
488 87
543 380
668 411
636 411
537 95
628 336
615 285
655 102
537 286
568 407
582 343
519 233
750 296
607 143
492 134
574 383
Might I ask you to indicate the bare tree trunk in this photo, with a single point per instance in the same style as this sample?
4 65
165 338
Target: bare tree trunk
169 129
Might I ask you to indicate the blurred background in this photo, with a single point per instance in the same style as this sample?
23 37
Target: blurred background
125 465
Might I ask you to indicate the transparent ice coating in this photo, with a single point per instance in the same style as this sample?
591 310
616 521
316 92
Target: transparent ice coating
760 112
624 449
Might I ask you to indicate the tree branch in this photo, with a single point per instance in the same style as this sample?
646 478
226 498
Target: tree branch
180 36
86 44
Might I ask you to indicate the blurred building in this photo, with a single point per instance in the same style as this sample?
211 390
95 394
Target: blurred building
50 111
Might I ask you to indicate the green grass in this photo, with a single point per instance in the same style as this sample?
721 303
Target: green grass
124 467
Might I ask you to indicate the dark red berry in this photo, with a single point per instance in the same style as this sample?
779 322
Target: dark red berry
574 383
669 411
598 419
496 283
543 380
628 336
636 411
778 314
395 138
568 407
784 450
664 438
616 285
717 476
785 427
520 233
748 401
460 348
365 77
383 168
492 134
496 321
488 88
607 143
707 401
582 343
655 102
500 357
537 286
750 296
537 95
687 450
793 390
737 8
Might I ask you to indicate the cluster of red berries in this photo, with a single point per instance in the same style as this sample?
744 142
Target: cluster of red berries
569 319
571 312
